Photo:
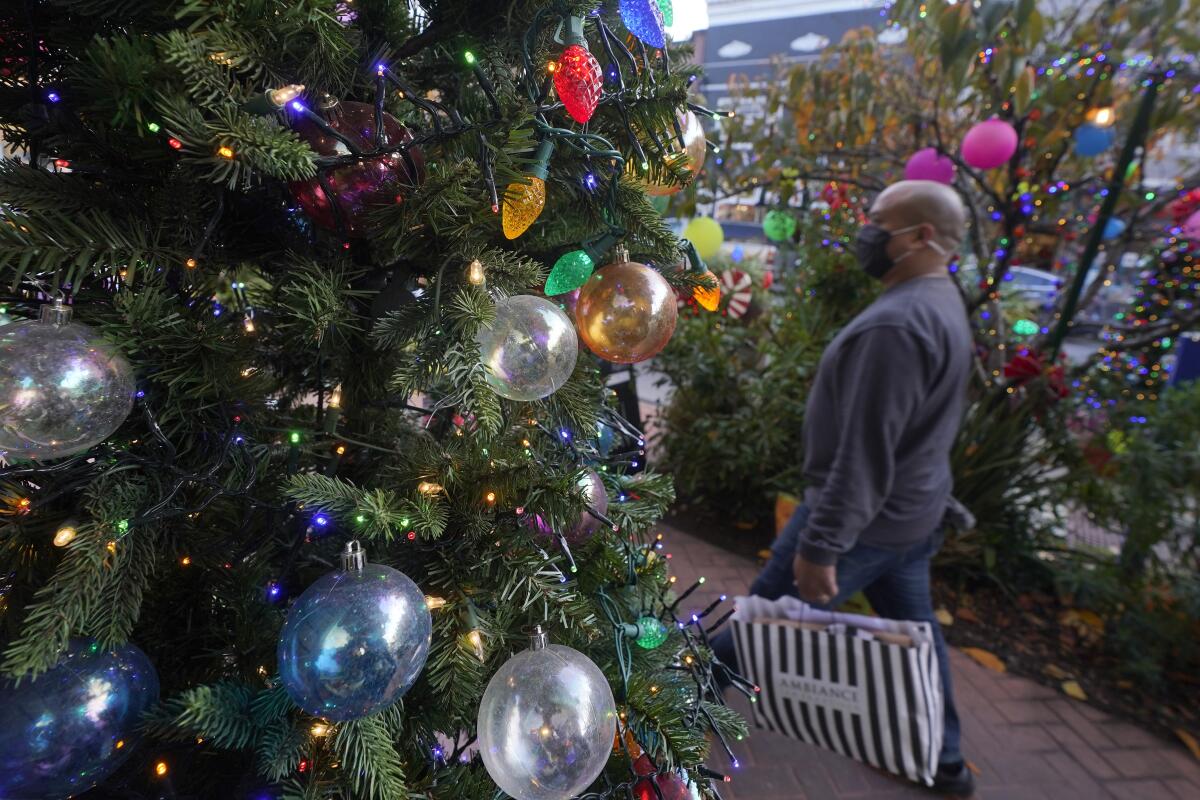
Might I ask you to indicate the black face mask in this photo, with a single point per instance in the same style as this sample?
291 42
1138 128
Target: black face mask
870 248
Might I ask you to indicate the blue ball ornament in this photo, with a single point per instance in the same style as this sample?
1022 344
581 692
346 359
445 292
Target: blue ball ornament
1113 228
71 727
644 19
737 254
1092 140
355 641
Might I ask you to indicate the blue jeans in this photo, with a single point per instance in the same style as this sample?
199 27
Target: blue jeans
896 582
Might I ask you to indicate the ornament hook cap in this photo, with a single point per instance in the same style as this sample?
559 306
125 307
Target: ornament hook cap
56 313
620 254
538 639
354 557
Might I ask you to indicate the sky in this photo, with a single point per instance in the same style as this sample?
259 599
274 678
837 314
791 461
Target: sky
690 15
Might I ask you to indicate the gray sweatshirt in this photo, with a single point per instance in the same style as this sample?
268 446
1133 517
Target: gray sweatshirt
881 420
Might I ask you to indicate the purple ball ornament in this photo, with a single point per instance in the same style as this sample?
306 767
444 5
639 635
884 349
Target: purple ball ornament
928 164
586 525
989 144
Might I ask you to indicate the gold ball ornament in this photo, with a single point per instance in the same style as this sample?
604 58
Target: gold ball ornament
626 312
694 144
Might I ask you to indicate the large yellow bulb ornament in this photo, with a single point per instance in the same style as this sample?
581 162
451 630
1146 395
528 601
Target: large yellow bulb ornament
524 200
523 204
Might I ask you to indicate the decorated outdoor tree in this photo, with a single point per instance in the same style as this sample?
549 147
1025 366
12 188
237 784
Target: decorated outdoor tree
1052 129
308 491
1024 113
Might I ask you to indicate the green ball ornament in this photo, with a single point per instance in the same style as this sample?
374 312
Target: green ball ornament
779 226
651 632
706 234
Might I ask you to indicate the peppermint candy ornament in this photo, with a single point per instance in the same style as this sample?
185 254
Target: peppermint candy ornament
735 284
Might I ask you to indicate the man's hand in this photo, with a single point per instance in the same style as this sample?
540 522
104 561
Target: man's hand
817 584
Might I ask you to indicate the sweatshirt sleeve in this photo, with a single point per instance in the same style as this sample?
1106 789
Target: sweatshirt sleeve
877 384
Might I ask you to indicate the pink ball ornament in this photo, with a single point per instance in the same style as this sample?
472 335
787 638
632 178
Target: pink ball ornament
929 165
989 144
1191 227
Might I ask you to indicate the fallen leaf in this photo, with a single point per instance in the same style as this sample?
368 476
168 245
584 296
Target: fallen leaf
967 615
985 658
1189 740
974 769
1125 686
943 617
1056 672
1026 602
1073 689
745 525
764 555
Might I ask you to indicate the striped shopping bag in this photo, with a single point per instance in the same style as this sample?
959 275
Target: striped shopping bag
864 687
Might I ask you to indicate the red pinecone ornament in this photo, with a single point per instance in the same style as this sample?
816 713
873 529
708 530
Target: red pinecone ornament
578 80
374 180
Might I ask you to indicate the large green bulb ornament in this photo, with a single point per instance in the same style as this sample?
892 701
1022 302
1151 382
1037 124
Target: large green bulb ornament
570 272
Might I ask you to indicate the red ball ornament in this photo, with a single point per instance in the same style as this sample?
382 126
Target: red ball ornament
376 179
578 81
670 785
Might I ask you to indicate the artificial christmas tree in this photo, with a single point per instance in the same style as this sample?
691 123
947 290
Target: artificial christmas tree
284 216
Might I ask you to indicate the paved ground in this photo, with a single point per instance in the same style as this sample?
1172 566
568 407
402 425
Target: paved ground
1027 742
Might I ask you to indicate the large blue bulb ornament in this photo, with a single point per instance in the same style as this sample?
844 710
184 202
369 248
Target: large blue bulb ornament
644 19
71 727
355 641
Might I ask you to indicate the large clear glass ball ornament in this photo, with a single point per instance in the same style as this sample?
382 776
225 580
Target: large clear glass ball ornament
529 351
63 389
354 642
69 728
546 723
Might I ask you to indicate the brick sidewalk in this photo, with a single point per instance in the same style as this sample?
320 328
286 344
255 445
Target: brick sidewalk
1027 742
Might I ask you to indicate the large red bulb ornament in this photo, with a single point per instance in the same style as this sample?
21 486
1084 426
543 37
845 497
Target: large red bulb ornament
578 81
352 191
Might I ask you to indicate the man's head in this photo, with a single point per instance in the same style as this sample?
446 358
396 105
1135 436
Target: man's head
925 223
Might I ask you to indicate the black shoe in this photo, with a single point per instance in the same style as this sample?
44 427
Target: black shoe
955 779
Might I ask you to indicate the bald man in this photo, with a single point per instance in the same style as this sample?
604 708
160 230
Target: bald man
881 419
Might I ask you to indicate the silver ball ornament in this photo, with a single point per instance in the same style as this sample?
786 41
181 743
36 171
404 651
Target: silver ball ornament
71 727
355 641
63 389
546 723
529 350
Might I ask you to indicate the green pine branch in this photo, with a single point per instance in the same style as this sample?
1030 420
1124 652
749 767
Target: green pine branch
370 765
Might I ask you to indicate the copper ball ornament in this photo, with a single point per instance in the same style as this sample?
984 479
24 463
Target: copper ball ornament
626 312
351 191
694 144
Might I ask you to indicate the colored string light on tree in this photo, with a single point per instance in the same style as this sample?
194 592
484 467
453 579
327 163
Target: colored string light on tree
578 79
644 19
524 200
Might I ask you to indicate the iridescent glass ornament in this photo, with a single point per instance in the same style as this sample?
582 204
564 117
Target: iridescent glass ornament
63 389
546 723
355 641
529 349
68 729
